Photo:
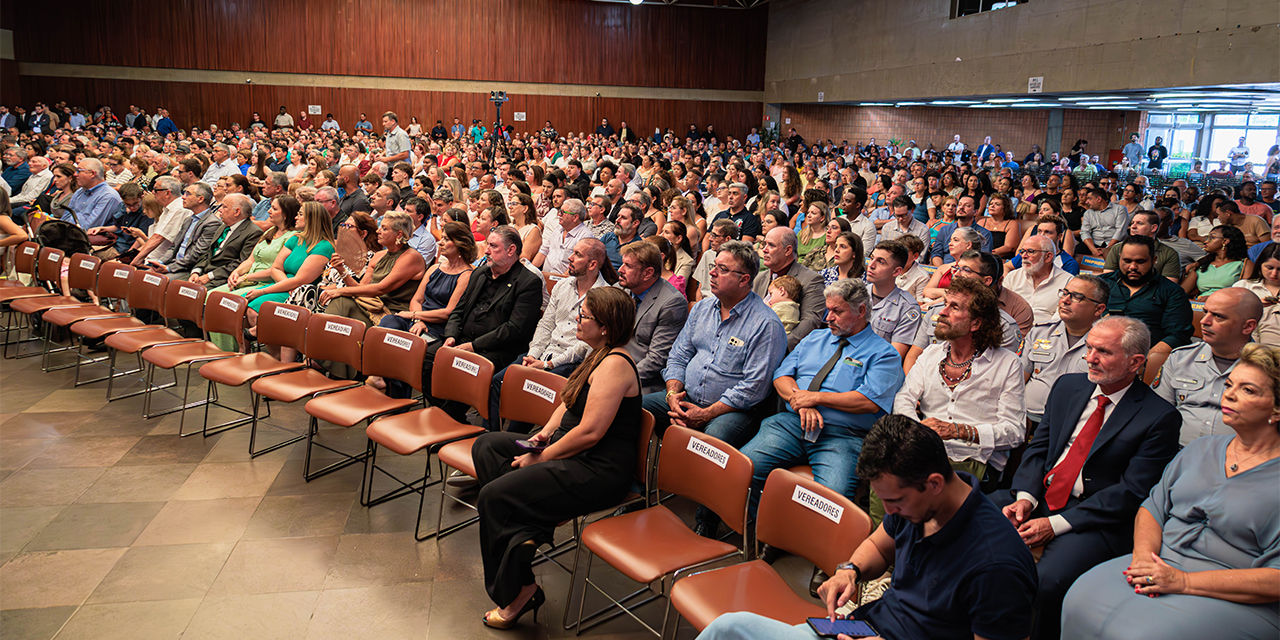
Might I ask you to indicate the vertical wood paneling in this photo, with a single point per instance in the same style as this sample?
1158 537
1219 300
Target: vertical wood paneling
551 41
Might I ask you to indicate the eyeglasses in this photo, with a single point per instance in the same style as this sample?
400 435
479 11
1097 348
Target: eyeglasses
1077 297
968 272
715 268
1030 252
580 316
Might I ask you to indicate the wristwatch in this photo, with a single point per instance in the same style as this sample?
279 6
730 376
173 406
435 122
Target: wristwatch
849 566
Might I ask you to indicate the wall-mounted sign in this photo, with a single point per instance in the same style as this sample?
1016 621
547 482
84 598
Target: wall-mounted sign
520 116
1035 85
313 109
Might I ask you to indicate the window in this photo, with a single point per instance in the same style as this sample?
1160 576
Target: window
1258 131
962 8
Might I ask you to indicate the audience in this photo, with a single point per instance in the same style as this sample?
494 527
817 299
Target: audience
233 246
1055 348
779 259
1137 291
300 262
661 311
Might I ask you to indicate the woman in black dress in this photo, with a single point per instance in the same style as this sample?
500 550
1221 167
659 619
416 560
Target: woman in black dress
587 465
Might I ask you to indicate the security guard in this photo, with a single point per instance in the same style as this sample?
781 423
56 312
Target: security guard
1052 349
895 314
1192 377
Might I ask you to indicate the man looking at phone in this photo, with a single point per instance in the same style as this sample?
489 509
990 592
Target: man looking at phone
959 568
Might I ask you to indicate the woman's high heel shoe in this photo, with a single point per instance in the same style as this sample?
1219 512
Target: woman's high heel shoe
495 621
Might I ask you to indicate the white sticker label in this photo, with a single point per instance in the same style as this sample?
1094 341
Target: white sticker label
188 292
466 366
817 504
291 314
337 327
709 452
54 257
152 279
400 342
230 303
540 391
121 273
29 251
86 264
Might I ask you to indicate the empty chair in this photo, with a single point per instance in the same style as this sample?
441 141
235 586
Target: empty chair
83 274
182 301
47 268
797 515
146 291
112 288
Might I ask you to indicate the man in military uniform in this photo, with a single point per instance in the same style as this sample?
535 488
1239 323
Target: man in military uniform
1192 376
1054 348
976 269
895 314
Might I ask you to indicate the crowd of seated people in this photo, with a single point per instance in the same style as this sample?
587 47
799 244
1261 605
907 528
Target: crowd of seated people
1009 359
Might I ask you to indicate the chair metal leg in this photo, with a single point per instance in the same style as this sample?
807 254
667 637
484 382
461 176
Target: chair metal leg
441 531
253 431
313 428
211 397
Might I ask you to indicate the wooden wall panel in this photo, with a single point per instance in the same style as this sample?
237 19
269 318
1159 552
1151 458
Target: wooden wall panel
202 103
551 41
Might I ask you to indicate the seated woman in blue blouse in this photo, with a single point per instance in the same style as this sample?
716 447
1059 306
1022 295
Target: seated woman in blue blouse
1206 544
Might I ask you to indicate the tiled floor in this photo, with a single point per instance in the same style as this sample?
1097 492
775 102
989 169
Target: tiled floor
113 526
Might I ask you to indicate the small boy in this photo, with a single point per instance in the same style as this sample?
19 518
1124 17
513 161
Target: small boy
783 293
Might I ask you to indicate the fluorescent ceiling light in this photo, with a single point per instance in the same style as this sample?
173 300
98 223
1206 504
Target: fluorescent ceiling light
875 104
1076 98
954 102
987 106
1038 105
909 104
1013 100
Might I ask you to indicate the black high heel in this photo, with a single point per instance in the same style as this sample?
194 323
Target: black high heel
494 621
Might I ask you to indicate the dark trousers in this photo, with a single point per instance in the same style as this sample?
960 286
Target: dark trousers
493 422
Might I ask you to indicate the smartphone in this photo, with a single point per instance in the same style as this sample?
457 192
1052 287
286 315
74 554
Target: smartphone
853 628
531 446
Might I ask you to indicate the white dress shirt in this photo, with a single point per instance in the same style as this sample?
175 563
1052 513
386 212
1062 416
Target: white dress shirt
561 245
556 339
170 221
1057 522
33 187
1043 297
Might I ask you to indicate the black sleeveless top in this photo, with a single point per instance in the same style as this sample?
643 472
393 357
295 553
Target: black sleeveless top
626 424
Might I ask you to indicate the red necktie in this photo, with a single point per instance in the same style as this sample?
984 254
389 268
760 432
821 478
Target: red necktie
1062 478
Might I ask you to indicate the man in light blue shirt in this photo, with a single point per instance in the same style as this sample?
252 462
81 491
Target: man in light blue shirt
223 165
421 241
95 201
722 363
964 218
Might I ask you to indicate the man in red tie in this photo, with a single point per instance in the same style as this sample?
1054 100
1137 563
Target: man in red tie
1104 442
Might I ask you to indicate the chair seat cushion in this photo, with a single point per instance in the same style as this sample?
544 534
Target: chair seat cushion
102 327
412 431
350 407
750 586
241 369
172 355
646 545
135 341
14 293
458 456
63 316
35 305
804 471
296 385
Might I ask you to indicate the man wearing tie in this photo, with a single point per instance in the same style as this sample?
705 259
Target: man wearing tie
233 245
197 235
1104 442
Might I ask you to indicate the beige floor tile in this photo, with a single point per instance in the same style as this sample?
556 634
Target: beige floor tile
70 400
290 482
168 449
130 424
261 617
300 516
387 613
33 624
18 525
457 607
96 526
381 559
83 452
275 566
46 487
163 573
230 480
43 425
233 446
17 454
138 484
131 620
54 578
197 521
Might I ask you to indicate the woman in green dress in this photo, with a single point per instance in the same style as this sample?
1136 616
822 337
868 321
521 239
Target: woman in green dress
257 268
301 261
1221 267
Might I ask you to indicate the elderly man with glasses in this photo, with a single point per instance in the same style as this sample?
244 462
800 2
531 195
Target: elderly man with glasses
1057 347
1039 279
95 201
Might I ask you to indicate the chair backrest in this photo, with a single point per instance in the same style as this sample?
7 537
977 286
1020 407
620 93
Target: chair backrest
335 338
463 377
1196 317
84 271
706 470
224 313
50 266
394 354
184 301
529 395
1155 360
283 325
146 291
801 516
113 280
24 260
646 453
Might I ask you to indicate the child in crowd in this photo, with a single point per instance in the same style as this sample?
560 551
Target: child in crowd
783 293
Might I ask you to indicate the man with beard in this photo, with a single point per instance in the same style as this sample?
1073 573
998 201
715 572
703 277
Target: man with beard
1139 292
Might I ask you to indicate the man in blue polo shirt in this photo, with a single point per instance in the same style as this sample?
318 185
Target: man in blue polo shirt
965 213
960 570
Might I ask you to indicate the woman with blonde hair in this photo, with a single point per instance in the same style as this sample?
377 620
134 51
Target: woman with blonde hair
525 220
813 233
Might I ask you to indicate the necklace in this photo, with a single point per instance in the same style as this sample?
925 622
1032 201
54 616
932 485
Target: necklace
967 365
1236 466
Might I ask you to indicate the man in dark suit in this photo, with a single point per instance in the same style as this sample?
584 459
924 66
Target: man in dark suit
780 252
234 243
660 311
1104 442
38 120
196 236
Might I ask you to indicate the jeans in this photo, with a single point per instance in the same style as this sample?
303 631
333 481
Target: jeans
781 443
734 428
750 626
493 423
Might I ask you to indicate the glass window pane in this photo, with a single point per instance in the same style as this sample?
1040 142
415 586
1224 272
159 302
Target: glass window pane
1258 141
1160 118
1234 119
1264 120
1184 143
1221 143
1190 118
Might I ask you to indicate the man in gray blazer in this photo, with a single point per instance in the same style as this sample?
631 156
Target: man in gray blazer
233 245
780 252
660 311
198 233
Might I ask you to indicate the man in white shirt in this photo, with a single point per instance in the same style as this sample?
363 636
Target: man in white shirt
1039 279
553 257
1239 155
36 183
903 222
330 124
223 165
851 207
1103 223
164 233
956 147
284 120
397 140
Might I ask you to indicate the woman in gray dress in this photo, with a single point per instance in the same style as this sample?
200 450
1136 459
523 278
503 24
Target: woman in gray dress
1206 544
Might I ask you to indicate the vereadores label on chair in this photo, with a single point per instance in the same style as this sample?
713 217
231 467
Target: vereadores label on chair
53 257
86 264
466 366
29 251
121 273
230 303
337 327
152 279
540 391
291 314
817 504
400 342
188 292
709 452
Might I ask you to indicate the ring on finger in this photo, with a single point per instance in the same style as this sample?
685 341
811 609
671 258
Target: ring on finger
1151 580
